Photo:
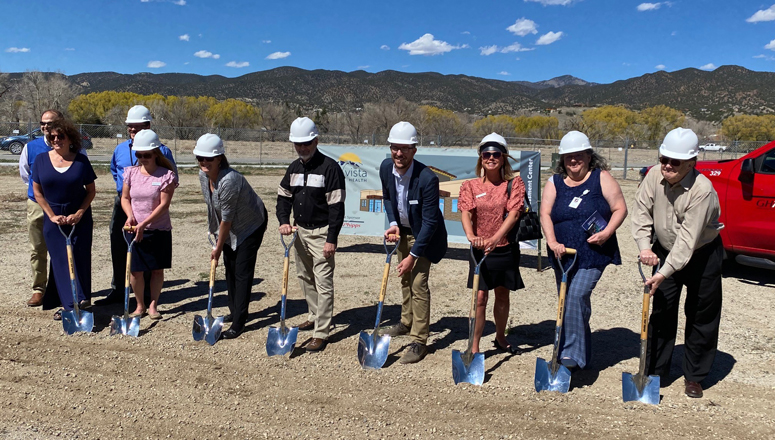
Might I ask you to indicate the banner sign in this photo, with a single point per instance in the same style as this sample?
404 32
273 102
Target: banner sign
364 213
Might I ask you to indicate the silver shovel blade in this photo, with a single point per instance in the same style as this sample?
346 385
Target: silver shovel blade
279 342
372 353
72 324
640 388
124 326
546 381
208 329
472 372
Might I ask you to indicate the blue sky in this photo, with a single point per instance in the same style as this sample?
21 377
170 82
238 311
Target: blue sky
596 40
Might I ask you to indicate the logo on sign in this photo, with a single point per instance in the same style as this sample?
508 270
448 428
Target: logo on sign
351 167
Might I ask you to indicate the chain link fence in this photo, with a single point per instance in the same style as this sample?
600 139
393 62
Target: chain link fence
262 147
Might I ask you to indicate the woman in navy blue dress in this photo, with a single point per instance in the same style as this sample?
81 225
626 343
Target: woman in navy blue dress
63 182
581 189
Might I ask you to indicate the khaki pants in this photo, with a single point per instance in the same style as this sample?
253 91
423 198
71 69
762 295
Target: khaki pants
316 276
38 250
416 308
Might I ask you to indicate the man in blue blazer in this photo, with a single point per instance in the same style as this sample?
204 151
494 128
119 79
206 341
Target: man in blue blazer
410 192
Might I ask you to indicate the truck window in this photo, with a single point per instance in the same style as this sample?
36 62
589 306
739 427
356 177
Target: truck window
767 165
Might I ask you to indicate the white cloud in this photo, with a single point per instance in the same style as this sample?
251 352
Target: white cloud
156 64
69 49
552 2
363 67
648 7
765 57
17 49
427 45
266 41
174 2
466 33
660 67
522 27
762 15
278 55
186 63
385 47
488 50
504 73
709 66
516 47
770 45
184 37
180 2
549 38
674 33
206 54
238 65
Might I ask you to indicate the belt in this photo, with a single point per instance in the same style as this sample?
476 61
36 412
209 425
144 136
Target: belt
311 225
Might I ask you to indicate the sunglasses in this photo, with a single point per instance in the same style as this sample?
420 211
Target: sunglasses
204 159
303 144
404 150
57 137
44 123
143 155
675 163
491 154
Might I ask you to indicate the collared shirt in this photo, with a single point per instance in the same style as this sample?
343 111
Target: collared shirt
402 191
27 159
124 157
232 200
684 216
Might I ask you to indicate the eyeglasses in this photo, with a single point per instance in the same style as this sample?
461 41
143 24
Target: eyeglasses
136 127
675 163
143 155
46 123
491 154
204 159
58 137
303 144
404 150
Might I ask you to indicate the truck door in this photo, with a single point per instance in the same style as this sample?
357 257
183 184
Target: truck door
751 208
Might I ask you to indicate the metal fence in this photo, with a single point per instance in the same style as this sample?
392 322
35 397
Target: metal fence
259 146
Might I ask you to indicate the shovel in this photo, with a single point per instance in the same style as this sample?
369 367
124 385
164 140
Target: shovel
469 367
373 349
641 387
208 328
280 341
75 320
125 325
552 376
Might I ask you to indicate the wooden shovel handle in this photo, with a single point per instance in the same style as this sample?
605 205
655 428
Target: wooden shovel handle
213 263
644 320
383 287
286 265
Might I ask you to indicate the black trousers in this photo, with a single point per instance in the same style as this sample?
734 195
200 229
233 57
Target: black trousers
240 265
118 248
702 278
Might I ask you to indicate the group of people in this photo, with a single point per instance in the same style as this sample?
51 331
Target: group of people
674 222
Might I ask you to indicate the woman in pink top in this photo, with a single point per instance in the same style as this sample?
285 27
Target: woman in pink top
488 215
148 189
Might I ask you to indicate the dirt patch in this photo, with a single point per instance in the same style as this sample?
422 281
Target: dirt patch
165 385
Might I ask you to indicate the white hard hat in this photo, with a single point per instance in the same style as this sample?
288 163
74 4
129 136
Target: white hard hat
574 141
146 140
209 145
303 130
138 114
680 143
494 139
403 133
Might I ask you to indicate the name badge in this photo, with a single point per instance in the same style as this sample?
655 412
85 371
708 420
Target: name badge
155 183
481 195
413 202
575 202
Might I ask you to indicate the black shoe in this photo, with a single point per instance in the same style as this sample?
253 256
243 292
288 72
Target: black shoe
570 364
227 318
230 334
114 297
507 349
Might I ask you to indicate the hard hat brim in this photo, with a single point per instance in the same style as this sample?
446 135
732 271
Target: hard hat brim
144 147
299 139
665 151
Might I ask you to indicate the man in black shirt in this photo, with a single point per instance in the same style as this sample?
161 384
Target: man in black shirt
314 188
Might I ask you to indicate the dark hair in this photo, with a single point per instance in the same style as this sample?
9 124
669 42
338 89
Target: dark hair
595 161
67 128
57 113
224 162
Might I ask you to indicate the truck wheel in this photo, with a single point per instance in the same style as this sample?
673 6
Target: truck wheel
16 148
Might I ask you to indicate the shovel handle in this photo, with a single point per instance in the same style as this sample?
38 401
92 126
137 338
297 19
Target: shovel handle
383 287
129 228
213 263
561 303
644 319
286 266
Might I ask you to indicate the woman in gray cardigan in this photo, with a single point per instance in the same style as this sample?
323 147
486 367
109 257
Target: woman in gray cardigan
237 217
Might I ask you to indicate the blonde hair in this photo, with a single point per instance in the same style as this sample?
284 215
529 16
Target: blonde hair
507 173
161 160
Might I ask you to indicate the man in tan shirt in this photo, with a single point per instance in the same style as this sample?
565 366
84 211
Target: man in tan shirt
679 207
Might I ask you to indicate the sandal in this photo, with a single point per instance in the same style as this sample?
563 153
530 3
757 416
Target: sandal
155 316
507 349
58 315
136 314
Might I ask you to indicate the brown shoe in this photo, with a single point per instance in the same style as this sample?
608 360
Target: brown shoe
306 325
316 344
36 299
397 330
693 389
415 353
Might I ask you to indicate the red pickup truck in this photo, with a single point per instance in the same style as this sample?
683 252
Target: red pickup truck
746 191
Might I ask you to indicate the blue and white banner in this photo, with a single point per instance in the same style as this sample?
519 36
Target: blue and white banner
364 213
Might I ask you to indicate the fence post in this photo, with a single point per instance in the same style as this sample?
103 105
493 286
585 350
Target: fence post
260 146
626 150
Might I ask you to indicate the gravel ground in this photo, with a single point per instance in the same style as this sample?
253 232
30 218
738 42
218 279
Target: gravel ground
165 385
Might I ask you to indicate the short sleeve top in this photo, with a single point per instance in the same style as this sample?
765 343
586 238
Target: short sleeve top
489 203
67 189
145 194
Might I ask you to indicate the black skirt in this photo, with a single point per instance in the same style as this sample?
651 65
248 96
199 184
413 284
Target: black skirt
500 269
153 252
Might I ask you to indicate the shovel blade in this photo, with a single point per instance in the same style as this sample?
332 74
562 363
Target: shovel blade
469 372
208 329
72 324
124 326
279 342
546 381
640 388
372 352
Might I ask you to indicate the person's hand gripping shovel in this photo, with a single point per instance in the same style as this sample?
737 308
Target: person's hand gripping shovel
75 320
126 325
469 367
553 376
208 328
281 341
641 387
373 348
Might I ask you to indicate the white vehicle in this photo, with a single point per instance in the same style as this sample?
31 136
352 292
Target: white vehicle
712 147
